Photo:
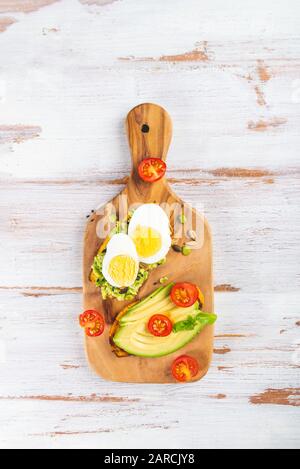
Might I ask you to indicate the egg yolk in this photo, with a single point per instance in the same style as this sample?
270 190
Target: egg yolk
147 241
123 270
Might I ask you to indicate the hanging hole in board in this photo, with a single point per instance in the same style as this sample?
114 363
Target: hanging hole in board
145 128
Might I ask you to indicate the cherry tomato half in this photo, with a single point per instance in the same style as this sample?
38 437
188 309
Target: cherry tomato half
160 325
93 323
185 368
184 294
152 169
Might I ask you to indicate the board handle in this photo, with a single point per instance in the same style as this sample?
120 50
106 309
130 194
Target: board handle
149 130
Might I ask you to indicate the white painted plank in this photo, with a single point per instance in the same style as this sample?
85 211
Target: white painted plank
81 425
255 226
82 129
261 358
43 342
79 102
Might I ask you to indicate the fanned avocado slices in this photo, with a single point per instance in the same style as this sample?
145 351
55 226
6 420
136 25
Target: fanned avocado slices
131 332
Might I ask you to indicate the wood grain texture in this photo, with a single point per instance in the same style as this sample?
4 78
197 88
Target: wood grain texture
18 133
75 86
6 22
196 268
24 6
97 2
278 397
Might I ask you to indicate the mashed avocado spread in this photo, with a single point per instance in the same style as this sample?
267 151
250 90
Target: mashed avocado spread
121 294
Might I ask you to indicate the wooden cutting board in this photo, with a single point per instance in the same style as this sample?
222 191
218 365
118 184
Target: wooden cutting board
149 130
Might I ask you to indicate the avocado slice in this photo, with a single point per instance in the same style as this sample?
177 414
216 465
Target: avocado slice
133 336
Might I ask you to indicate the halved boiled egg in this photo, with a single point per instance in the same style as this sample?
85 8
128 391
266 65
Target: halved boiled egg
149 228
120 264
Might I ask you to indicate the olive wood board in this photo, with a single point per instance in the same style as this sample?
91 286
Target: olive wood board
149 130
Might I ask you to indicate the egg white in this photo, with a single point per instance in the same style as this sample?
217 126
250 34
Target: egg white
119 245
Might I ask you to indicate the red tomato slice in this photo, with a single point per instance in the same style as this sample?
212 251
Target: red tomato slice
160 325
184 294
185 368
93 323
152 169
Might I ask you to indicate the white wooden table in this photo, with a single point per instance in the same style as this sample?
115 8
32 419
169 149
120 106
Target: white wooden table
229 74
